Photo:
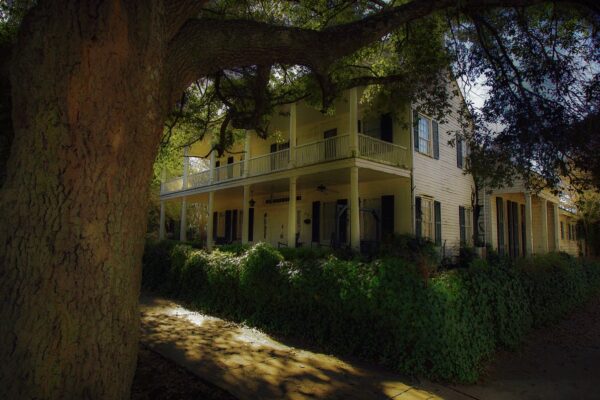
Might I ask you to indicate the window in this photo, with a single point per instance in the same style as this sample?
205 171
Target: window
462 152
562 230
427 227
424 127
426 138
465 218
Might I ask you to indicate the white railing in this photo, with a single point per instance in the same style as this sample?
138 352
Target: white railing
271 162
199 179
329 149
229 171
381 151
172 185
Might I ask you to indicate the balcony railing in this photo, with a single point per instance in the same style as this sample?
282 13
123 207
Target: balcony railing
381 151
271 162
334 148
329 149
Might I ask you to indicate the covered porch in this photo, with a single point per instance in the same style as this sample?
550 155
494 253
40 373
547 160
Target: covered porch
343 206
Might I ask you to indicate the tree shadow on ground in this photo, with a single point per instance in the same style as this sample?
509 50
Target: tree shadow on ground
251 365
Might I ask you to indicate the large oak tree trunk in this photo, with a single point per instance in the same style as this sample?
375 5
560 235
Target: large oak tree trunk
87 115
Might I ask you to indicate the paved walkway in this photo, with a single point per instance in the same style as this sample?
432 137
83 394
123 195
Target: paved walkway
558 363
251 365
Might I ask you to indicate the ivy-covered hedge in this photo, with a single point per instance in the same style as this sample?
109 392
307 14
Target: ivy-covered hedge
444 327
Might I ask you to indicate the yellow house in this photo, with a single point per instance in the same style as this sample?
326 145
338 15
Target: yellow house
518 222
347 179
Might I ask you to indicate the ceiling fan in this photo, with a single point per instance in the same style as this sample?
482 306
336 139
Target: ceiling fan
323 189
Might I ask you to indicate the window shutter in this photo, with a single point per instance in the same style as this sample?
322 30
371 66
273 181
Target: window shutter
386 125
437 208
316 221
418 216
500 223
436 140
459 152
251 224
387 216
416 129
461 222
215 224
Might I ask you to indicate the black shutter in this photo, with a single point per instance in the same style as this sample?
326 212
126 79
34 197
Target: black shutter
387 216
436 140
387 128
461 223
523 232
459 152
215 224
234 225
418 216
343 221
437 210
416 129
251 224
316 221
500 223
228 225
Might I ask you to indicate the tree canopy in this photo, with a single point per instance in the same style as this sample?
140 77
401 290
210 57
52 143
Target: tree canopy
537 62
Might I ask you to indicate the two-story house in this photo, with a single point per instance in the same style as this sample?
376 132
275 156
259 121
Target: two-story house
347 179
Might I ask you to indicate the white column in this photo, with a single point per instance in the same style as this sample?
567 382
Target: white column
245 214
292 214
209 222
183 222
212 166
354 210
247 153
556 226
528 225
163 179
183 226
293 133
161 228
353 120
544 216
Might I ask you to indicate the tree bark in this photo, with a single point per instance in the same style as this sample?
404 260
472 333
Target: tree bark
88 115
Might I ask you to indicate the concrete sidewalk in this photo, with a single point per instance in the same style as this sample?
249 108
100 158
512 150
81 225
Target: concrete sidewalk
251 365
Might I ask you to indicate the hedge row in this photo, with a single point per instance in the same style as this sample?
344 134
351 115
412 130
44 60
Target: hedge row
444 327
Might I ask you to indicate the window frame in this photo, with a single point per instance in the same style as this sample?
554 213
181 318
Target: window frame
429 121
431 222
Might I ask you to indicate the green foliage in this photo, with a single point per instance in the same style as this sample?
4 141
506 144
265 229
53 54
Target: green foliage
445 327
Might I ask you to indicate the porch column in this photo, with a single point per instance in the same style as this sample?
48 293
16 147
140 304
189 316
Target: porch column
245 214
292 213
247 153
186 166
354 210
556 226
353 120
161 228
293 134
209 222
212 166
528 225
544 216
183 222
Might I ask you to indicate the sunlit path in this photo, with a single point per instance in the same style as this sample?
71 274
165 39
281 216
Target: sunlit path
251 365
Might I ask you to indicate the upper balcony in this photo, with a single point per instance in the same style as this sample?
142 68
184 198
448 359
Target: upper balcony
316 152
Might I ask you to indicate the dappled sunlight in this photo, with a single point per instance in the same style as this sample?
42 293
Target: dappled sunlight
250 364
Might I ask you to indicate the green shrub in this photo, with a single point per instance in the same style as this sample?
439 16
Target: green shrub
234 248
444 326
156 263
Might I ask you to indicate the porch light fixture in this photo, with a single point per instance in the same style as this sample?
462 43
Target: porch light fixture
252 202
